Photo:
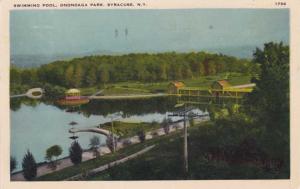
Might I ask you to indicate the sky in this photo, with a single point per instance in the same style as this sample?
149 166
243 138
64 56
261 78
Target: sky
130 31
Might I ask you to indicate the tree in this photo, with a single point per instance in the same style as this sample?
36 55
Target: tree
111 142
78 75
142 136
165 125
15 75
29 166
69 76
191 122
162 72
104 75
269 102
13 163
53 151
75 153
27 76
94 143
90 77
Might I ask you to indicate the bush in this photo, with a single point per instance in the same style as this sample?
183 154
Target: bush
142 136
53 151
126 142
111 143
165 125
154 133
53 91
95 143
153 123
75 153
29 166
192 122
13 163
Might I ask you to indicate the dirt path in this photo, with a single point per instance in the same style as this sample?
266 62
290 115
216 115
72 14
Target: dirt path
128 96
111 164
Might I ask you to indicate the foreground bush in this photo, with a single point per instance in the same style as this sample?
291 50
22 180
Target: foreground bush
29 166
75 153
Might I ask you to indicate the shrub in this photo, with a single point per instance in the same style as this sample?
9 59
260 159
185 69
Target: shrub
53 151
126 142
95 143
142 136
13 163
192 122
154 133
153 123
111 143
29 166
75 153
165 125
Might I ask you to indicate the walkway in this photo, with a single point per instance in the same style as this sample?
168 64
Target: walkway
62 163
128 96
111 164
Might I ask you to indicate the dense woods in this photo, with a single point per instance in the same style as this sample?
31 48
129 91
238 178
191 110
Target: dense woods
98 70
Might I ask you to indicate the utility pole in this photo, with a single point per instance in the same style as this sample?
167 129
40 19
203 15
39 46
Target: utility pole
185 142
185 147
185 115
112 134
114 118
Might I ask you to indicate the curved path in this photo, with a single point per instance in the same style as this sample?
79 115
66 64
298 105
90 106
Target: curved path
91 129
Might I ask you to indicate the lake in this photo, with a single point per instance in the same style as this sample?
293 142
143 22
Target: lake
39 125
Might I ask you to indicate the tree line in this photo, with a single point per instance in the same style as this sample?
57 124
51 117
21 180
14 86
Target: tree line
143 67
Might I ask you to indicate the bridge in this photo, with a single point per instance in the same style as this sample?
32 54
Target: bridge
91 129
34 93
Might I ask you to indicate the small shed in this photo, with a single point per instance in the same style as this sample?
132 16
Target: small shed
174 86
221 84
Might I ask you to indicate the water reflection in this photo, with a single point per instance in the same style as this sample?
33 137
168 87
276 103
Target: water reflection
37 125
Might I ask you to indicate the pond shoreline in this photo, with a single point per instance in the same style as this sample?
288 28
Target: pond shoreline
88 154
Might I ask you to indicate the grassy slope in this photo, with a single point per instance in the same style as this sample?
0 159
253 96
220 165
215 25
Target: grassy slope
165 162
130 87
125 129
90 164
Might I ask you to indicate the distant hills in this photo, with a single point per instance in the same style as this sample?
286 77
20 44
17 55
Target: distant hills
30 61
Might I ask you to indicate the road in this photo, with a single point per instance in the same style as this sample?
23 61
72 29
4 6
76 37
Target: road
128 96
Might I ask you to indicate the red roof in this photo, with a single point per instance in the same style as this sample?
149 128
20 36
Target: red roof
178 84
224 83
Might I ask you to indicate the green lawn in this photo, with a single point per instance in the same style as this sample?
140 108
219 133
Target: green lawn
131 87
127 129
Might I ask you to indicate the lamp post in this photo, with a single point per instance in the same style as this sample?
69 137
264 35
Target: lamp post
185 145
73 137
114 117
